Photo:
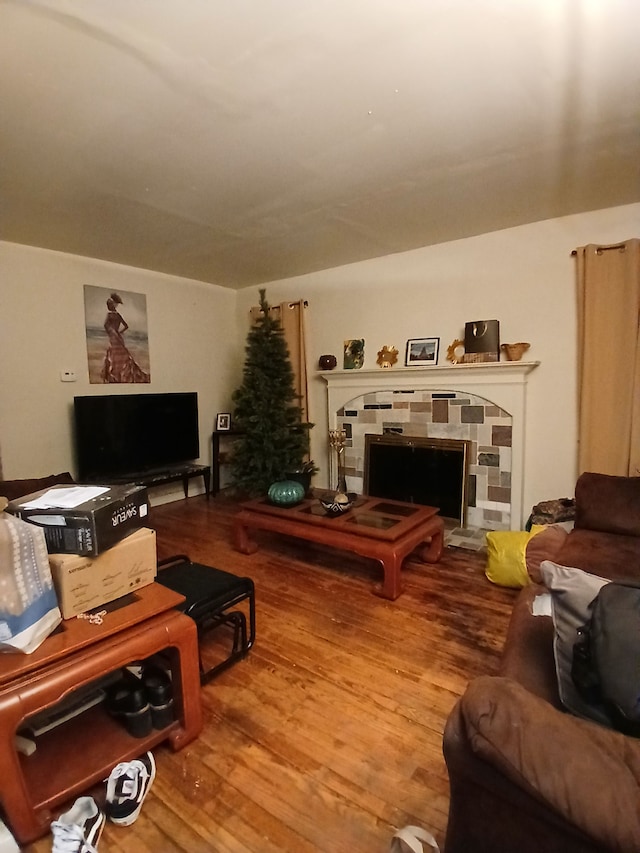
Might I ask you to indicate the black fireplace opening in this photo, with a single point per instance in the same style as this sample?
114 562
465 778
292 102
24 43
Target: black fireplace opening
419 470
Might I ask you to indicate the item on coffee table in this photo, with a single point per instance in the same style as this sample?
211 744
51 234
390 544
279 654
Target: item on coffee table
336 504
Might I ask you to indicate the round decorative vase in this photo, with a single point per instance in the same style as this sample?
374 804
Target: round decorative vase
327 362
286 493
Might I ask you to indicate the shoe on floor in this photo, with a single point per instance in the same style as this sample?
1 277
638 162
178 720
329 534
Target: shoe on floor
127 786
413 839
79 829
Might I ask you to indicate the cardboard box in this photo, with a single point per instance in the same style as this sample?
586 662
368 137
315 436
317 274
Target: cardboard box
84 583
91 527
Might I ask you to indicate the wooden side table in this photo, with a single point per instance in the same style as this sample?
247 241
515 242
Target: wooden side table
84 750
216 456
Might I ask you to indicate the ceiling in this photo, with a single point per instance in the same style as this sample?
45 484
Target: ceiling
243 141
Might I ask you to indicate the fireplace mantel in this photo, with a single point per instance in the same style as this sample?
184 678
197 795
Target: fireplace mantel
502 383
432 377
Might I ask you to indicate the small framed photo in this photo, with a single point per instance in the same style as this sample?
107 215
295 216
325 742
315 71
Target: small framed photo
422 351
223 422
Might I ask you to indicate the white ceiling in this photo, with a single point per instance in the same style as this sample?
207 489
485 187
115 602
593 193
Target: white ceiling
242 141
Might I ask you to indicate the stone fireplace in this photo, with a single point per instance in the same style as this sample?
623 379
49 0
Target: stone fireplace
482 404
418 469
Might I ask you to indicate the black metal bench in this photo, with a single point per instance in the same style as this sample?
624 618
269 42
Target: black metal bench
211 600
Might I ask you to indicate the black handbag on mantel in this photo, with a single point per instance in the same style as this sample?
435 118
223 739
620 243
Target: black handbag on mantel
483 336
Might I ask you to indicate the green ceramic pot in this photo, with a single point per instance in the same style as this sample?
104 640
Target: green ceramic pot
302 477
286 493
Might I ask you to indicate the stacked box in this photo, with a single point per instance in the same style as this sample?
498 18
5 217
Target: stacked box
91 527
85 583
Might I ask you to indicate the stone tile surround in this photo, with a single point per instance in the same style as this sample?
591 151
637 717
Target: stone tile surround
439 414
499 387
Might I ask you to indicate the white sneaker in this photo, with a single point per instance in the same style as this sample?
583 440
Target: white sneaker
127 786
411 838
79 829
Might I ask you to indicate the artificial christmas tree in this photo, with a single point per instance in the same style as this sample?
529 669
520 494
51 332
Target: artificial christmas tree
274 439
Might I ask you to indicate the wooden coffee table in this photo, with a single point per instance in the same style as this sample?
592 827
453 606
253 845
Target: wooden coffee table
382 529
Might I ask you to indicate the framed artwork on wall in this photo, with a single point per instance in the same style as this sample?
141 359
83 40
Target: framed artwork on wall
223 422
422 352
353 354
117 336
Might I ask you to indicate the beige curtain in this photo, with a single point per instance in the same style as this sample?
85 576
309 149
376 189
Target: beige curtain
292 319
609 358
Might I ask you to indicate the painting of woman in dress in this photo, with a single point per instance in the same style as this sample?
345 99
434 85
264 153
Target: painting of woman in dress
117 348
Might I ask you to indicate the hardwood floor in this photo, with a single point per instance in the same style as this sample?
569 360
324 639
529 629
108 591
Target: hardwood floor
328 736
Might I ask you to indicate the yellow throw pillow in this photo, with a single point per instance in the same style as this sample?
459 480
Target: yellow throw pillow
506 556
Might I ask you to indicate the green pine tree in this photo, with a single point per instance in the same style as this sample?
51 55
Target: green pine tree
275 440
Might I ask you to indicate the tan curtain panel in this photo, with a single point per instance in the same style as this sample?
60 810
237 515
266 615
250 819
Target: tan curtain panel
608 279
292 319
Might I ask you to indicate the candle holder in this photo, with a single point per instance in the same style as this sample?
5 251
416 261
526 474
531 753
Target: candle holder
338 441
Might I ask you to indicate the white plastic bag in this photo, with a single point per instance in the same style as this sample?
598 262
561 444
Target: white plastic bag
28 604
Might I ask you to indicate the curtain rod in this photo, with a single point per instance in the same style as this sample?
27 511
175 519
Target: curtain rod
602 249
304 303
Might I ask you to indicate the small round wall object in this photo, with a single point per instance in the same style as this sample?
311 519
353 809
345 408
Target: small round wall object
285 492
455 351
327 362
387 357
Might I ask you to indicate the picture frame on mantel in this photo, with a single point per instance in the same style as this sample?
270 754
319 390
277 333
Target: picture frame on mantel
422 352
223 422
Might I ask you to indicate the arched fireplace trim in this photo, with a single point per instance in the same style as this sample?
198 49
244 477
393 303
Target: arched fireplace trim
504 384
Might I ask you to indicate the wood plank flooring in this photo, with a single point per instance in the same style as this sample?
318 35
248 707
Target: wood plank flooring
328 736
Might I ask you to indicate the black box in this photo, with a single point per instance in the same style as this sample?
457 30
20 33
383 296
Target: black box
91 527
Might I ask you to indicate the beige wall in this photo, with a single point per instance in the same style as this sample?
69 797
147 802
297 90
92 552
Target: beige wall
524 277
192 342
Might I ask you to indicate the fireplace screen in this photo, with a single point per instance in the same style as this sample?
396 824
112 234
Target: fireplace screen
430 471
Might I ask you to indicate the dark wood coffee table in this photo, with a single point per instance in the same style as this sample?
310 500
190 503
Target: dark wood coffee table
382 529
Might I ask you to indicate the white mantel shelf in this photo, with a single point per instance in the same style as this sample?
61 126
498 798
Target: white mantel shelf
503 383
491 372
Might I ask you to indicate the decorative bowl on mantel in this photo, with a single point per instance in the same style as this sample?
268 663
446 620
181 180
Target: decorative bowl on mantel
327 362
514 352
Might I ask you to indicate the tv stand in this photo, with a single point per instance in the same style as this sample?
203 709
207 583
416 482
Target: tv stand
172 474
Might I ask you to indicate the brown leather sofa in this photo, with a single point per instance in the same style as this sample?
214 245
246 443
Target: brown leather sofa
525 775
14 489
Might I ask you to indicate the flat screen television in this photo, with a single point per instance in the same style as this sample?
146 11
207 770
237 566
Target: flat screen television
124 434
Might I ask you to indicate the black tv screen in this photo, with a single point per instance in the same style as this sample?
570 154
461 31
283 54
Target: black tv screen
123 434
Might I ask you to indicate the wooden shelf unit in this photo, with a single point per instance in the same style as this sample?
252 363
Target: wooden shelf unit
217 459
83 751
